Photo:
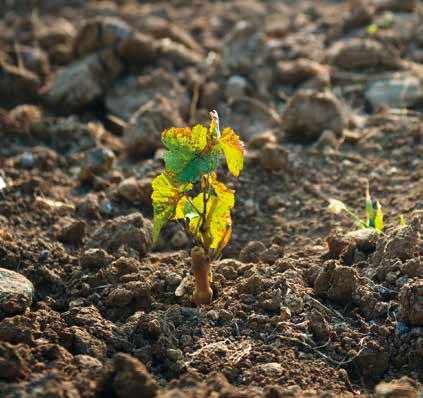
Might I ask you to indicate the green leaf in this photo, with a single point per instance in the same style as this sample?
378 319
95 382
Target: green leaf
379 226
402 221
369 209
168 198
190 153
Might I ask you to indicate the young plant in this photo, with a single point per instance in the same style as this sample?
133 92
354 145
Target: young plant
189 192
374 215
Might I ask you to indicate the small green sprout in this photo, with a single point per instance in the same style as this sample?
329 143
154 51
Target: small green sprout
189 193
374 215
402 221
388 23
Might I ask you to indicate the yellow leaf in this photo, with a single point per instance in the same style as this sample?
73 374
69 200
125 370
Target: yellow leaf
166 198
233 148
379 226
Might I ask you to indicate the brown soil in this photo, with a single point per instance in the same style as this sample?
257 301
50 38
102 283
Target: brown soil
304 305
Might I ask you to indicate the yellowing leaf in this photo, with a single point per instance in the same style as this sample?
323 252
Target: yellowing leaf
379 226
216 229
166 200
233 149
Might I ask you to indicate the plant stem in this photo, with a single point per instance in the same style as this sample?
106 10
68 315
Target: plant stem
355 217
203 294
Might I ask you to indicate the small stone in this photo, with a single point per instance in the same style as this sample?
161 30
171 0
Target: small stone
175 354
274 157
143 133
179 240
72 232
395 389
26 160
411 303
236 86
271 369
82 82
54 205
395 93
97 161
285 314
249 207
132 378
251 252
173 279
309 113
328 139
105 207
295 304
363 53
95 259
260 140
16 293
135 191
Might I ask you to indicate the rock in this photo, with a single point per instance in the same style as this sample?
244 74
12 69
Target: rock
303 74
56 38
319 326
362 54
402 244
272 254
136 191
236 86
411 303
179 240
372 361
99 33
251 285
260 140
131 231
250 117
97 161
241 46
400 388
16 293
35 60
131 377
327 139
143 133
128 95
308 113
177 53
26 160
95 259
343 246
271 369
67 135
336 282
13 364
82 82
19 85
72 232
21 119
274 157
54 205
285 314
395 93
251 252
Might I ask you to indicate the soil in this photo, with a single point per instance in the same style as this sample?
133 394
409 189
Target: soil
325 94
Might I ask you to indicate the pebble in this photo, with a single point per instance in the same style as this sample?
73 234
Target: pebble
236 86
179 240
16 292
26 160
395 93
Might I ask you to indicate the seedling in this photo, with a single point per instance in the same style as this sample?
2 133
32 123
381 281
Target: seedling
374 215
189 192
